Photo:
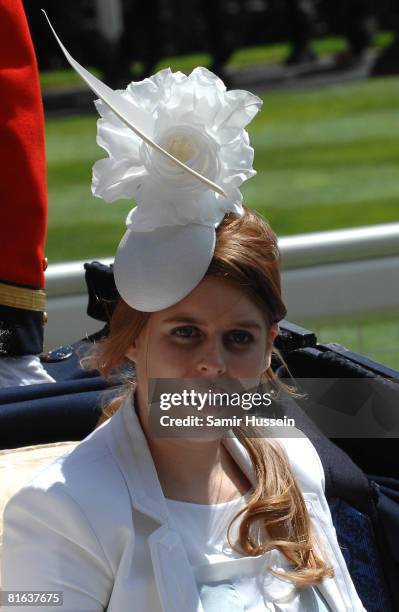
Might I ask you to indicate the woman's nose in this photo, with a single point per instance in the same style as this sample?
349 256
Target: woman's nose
211 361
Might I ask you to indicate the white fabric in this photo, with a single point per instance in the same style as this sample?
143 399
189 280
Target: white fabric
171 261
203 530
178 146
25 370
19 465
95 525
197 122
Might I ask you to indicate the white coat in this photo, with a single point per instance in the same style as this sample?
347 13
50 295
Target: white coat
95 525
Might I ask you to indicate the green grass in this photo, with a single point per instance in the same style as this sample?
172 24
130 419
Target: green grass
326 159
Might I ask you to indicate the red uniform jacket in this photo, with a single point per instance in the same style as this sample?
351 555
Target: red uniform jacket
22 181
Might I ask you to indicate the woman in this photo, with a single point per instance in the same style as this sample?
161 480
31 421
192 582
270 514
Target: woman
115 524
136 519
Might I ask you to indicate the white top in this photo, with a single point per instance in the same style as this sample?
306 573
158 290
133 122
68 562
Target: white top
25 370
235 587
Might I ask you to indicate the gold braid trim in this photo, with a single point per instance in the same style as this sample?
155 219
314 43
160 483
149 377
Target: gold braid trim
19 297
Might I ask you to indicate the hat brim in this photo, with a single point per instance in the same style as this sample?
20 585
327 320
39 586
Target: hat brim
154 270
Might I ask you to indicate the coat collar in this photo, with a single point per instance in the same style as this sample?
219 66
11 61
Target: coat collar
130 449
174 576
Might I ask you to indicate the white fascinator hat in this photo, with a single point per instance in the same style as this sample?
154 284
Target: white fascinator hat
178 147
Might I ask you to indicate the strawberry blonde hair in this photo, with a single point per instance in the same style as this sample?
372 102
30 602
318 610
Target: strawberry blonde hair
247 253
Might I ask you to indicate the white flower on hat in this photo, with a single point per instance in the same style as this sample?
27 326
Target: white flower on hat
197 121
178 146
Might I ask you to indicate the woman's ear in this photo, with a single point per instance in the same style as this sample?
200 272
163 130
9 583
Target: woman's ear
131 352
137 345
273 333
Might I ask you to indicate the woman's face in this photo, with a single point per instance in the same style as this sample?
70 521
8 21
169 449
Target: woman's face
214 332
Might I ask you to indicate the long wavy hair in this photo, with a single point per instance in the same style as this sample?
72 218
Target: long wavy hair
246 253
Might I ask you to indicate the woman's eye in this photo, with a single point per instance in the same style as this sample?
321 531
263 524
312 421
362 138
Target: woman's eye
241 337
238 337
184 332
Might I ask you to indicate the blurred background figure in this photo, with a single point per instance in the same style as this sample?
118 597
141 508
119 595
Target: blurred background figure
110 25
140 41
23 204
301 24
356 21
388 62
224 32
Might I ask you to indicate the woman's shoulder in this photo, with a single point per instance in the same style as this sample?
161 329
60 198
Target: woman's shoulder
77 464
86 476
80 502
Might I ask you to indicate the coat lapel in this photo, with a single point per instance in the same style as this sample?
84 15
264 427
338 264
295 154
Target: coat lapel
130 449
175 582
